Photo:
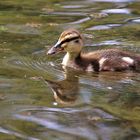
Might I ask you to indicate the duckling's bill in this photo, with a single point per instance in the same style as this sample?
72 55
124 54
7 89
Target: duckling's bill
55 49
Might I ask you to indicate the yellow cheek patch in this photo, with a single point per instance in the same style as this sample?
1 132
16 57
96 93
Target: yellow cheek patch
64 45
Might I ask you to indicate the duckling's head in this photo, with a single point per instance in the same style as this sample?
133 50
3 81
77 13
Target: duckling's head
70 41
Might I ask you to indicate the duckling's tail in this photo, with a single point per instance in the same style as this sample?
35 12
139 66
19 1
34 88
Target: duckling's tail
137 63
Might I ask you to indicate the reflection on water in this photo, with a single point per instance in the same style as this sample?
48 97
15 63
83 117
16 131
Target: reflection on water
39 99
86 123
104 27
117 11
116 1
18 135
67 90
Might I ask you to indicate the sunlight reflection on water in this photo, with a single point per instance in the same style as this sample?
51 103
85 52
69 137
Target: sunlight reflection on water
117 11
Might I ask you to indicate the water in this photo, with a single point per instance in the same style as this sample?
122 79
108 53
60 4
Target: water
39 100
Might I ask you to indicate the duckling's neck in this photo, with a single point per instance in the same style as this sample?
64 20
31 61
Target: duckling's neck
70 57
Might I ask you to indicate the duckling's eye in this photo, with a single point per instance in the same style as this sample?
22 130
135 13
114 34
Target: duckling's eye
76 41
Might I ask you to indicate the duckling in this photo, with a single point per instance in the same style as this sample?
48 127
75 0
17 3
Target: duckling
71 41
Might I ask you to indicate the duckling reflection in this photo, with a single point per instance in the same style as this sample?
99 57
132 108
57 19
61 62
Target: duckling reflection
65 91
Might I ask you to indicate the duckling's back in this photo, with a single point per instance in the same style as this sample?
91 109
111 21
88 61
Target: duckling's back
113 60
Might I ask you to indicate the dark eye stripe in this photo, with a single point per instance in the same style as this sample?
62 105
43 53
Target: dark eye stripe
69 39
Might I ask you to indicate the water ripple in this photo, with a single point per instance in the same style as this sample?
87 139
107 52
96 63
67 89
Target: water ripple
73 6
113 1
69 13
134 20
117 11
22 29
103 27
38 65
70 121
17 134
107 42
80 21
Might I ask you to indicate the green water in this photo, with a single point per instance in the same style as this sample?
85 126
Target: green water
41 101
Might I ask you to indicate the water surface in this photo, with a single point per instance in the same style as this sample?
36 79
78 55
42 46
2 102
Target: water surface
40 100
